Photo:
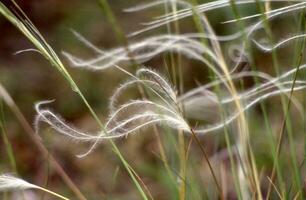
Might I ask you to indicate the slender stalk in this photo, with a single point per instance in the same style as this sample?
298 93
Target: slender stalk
287 113
122 39
177 64
113 21
196 139
202 29
52 193
8 145
276 67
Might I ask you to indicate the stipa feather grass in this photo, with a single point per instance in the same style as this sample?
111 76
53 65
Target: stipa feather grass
142 51
164 108
206 7
298 6
141 113
239 102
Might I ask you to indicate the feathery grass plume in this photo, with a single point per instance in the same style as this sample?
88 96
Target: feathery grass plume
298 6
187 11
249 98
280 44
9 182
130 116
188 45
12 183
205 100
270 15
202 100
162 106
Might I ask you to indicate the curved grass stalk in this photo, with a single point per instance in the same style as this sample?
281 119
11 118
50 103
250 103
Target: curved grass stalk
145 117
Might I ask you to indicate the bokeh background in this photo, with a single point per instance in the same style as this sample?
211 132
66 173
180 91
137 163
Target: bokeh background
29 78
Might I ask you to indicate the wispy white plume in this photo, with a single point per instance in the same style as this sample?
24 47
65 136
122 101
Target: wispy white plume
142 51
130 116
250 97
47 116
188 11
12 183
164 106
279 44
275 12
9 183
298 5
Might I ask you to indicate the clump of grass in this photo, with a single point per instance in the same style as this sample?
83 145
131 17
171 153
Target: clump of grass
139 113
214 106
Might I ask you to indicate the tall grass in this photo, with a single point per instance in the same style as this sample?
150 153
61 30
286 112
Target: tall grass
222 106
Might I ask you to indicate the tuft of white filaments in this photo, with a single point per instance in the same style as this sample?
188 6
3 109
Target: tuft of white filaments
162 106
9 183
189 45
129 117
188 10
